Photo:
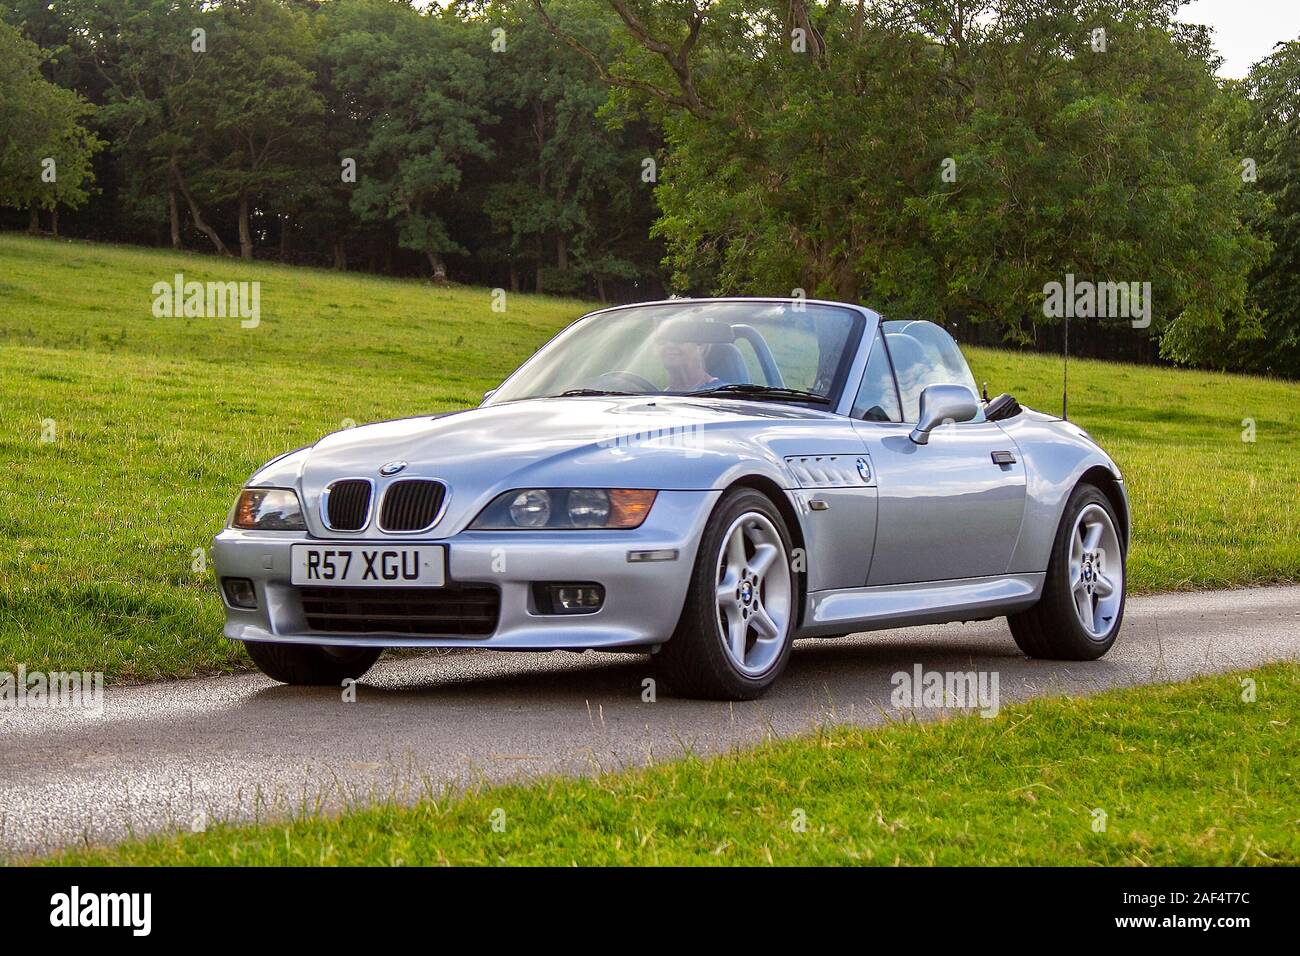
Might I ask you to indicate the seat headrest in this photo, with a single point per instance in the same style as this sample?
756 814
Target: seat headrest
724 361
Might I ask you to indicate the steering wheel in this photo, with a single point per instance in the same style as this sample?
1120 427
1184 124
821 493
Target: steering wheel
624 381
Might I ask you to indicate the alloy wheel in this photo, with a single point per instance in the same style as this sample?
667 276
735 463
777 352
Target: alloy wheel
754 596
1096 571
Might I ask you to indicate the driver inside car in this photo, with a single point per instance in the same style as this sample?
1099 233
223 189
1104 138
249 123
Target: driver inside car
683 357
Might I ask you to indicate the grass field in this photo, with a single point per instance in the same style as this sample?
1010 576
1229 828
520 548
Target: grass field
125 437
1187 774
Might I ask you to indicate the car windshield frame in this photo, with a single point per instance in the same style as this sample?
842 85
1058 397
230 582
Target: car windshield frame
808 309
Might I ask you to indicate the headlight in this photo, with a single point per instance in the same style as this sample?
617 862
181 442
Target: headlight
566 508
588 507
531 509
268 509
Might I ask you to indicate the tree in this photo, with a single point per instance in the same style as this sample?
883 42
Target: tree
809 142
567 195
45 151
142 60
1262 116
319 202
256 94
418 84
1275 144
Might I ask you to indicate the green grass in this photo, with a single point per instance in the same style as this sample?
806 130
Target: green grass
1187 774
1209 509
158 421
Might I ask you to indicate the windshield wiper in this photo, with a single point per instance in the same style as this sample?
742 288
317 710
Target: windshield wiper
589 391
750 390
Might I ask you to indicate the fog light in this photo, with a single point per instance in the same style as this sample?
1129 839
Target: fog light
577 598
240 592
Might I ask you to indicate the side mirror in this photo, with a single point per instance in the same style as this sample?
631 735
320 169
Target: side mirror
489 393
943 403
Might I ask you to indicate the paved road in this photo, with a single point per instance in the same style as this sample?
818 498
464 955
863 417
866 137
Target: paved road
174 755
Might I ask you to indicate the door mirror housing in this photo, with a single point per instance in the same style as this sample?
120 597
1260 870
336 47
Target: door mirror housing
489 393
943 403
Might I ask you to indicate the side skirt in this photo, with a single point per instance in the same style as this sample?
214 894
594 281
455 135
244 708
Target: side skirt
933 602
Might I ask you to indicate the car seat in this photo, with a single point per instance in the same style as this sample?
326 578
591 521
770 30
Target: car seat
724 362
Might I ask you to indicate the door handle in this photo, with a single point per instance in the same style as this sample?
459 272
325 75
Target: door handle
1003 458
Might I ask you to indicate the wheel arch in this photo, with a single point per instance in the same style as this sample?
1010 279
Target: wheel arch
1105 481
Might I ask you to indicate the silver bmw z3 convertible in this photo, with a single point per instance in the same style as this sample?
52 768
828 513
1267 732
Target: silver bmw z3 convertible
700 480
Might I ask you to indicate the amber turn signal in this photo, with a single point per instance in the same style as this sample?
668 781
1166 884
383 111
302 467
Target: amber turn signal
628 507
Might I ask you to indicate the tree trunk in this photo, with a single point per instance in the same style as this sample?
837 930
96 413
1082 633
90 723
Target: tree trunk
245 234
561 253
600 289
34 221
54 221
439 267
340 256
539 129
847 288
514 276
285 230
174 213
199 223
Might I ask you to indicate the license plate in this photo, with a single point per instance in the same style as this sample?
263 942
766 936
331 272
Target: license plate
363 565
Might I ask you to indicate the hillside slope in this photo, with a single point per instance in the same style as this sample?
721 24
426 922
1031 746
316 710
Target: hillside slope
153 423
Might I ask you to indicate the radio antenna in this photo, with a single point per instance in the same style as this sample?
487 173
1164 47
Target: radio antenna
1065 368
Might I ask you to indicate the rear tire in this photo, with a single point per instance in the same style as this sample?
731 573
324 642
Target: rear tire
734 636
1082 606
312 665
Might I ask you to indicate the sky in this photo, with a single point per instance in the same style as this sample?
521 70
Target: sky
1245 30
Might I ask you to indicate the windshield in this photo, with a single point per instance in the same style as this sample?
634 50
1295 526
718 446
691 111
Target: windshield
674 348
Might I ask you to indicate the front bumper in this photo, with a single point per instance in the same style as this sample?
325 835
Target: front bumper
643 599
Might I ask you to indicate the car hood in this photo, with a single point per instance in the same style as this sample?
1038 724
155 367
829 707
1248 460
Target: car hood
661 442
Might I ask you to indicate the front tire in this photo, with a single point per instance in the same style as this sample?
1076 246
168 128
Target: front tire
1082 606
311 665
734 636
